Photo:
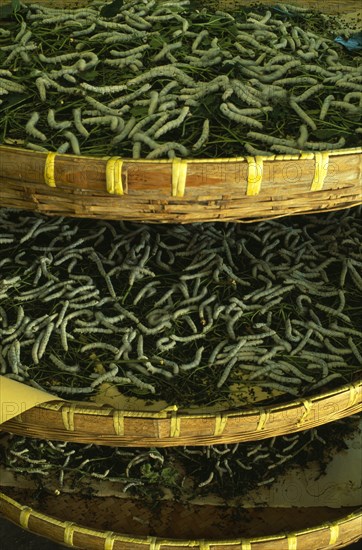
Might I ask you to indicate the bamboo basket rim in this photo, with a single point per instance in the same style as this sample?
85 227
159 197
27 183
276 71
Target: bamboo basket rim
241 189
110 538
307 155
169 427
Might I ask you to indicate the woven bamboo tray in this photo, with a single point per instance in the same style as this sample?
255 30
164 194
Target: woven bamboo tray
335 529
243 188
89 423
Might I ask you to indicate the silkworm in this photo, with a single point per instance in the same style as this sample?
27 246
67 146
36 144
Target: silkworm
70 390
195 363
163 70
31 130
57 125
355 351
73 141
78 123
303 115
62 366
137 382
165 148
325 107
207 481
325 380
226 372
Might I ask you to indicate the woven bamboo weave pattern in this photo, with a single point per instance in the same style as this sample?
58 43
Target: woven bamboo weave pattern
329 535
86 423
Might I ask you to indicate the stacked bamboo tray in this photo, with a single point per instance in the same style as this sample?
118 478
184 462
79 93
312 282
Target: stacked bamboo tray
235 189
188 190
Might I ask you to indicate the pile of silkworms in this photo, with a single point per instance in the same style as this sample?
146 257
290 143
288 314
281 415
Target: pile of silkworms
194 314
226 470
155 79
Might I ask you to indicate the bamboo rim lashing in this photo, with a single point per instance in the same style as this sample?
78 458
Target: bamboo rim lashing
89 423
327 535
180 190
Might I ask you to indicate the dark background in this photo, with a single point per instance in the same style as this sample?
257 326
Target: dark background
14 538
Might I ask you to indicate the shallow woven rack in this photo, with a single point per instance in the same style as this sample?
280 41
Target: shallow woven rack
181 190
335 534
243 189
89 423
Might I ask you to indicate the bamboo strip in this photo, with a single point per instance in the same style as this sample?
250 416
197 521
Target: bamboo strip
324 536
156 191
88 423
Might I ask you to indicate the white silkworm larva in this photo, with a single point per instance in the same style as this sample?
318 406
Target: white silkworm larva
73 141
326 104
144 138
357 279
171 125
137 382
103 89
62 366
106 376
167 48
207 481
57 125
308 93
226 372
324 381
104 109
100 345
163 70
58 58
136 150
337 351
64 335
78 123
153 102
162 150
31 130
71 390
355 350
333 312
346 106
303 115
269 355
345 330
196 362
271 139
303 136
204 136
11 86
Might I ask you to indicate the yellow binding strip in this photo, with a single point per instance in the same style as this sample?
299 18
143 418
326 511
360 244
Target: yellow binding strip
245 545
69 533
109 540
334 534
154 545
255 175
353 395
114 176
118 422
175 427
220 423
321 170
68 412
307 410
179 175
292 542
49 169
24 516
263 419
